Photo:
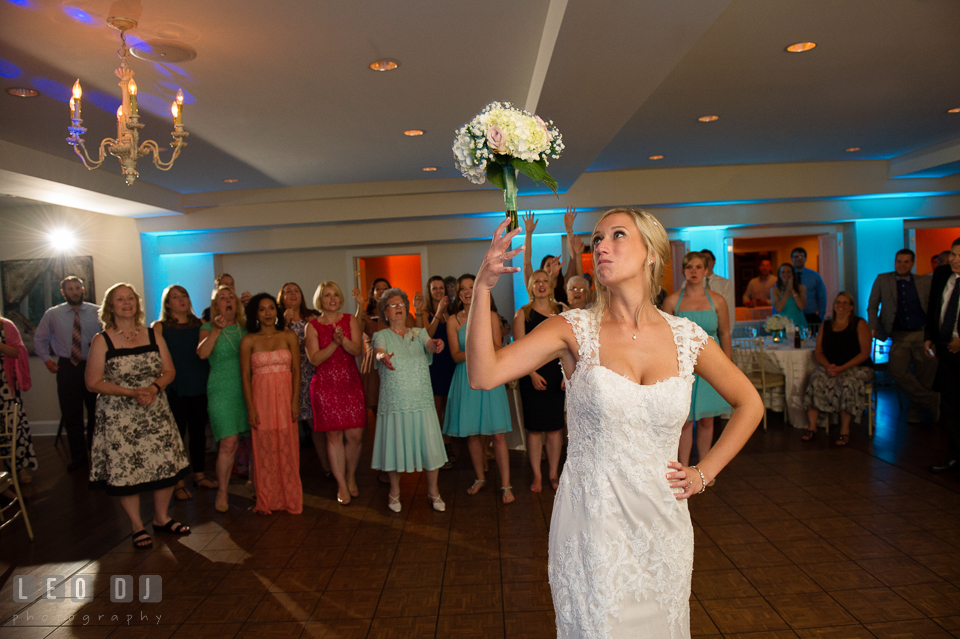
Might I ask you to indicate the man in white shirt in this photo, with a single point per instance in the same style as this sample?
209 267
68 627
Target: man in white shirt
758 289
717 284
943 340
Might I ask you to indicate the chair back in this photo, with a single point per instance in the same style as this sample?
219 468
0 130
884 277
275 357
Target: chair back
9 421
748 354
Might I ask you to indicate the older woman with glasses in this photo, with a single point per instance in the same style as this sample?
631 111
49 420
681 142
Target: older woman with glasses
408 435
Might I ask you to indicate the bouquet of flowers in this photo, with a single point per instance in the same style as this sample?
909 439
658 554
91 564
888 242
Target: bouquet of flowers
502 140
776 323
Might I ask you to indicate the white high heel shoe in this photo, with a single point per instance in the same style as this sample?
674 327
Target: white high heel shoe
393 503
438 504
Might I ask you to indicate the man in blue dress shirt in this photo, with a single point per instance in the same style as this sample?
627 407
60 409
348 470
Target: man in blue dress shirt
816 307
62 341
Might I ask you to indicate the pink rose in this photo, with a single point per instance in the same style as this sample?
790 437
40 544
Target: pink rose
496 141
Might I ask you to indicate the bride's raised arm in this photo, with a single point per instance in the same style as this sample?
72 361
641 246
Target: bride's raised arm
487 368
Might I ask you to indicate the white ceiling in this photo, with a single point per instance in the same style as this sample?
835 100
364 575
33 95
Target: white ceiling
284 98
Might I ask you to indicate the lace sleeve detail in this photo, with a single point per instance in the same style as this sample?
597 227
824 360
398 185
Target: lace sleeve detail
690 340
581 321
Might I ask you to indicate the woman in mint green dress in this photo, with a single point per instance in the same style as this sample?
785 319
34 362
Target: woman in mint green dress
220 344
708 310
408 438
472 413
789 296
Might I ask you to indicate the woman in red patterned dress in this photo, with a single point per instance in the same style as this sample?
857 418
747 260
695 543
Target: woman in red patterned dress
333 342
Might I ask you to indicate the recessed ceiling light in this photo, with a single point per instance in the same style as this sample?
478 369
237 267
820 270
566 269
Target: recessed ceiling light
23 92
656 157
231 180
800 47
413 132
384 65
429 168
709 118
853 149
957 110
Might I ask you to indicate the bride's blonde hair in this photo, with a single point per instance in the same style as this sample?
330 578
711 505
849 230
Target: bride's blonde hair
658 249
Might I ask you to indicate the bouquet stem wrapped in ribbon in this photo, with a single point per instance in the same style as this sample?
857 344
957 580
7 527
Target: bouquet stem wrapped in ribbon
502 140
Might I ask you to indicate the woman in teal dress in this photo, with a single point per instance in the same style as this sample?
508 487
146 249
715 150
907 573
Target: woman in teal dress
709 311
408 438
789 296
220 343
472 413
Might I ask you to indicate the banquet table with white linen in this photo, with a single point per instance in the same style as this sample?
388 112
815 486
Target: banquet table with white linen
795 364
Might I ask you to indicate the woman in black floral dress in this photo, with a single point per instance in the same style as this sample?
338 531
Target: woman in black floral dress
136 446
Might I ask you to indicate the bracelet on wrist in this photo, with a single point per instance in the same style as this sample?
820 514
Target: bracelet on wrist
703 482
157 386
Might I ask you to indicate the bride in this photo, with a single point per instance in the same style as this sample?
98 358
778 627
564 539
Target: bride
621 541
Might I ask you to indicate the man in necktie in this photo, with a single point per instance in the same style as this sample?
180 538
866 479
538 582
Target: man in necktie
943 340
62 341
897 310
816 307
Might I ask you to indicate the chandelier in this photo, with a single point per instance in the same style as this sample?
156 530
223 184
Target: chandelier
126 147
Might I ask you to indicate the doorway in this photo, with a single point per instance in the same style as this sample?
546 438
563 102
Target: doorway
402 271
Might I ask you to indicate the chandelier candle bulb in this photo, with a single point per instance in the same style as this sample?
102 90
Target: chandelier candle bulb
132 87
75 102
178 116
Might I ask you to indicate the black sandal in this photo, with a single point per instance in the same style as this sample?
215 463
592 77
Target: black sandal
172 528
843 440
808 436
142 540
182 494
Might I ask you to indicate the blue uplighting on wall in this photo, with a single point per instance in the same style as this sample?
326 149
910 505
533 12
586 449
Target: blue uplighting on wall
53 89
78 14
25 4
8 69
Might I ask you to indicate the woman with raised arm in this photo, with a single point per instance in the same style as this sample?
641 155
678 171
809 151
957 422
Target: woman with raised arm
136 446
334 341
621 541
541 390
220 343
473 413
708 310
269 364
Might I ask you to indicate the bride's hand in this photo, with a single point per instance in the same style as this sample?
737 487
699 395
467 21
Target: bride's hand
683 477
494 262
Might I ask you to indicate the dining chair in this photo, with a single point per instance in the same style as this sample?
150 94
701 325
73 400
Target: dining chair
748 356
9 420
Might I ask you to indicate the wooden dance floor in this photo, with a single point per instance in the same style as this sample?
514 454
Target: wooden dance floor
795 540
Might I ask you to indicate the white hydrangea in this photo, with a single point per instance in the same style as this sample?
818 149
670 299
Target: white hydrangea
521 134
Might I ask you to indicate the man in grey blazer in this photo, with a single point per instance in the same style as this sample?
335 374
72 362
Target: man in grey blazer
902 298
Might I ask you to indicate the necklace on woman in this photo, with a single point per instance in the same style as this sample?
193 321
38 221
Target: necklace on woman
129 338
622 322
226 336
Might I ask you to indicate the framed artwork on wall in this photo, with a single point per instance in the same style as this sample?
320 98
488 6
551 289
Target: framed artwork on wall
32 286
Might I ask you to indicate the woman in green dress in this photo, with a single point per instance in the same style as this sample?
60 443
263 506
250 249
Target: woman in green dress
220 343
408 438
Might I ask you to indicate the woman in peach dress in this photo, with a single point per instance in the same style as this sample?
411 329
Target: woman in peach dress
269 362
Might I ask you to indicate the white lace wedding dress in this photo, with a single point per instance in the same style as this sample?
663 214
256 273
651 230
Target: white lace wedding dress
621 545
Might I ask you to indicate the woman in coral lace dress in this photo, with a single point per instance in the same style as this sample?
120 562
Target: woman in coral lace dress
621 540
334 341
269 364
